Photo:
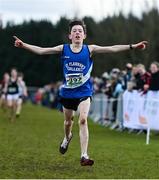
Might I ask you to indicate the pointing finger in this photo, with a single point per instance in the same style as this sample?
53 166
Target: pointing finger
15 37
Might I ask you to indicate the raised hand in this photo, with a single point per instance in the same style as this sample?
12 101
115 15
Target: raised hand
141 45
18 43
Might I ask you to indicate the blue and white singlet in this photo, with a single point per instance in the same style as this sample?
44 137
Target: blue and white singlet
77 69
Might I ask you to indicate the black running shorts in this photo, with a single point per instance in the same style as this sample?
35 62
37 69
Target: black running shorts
72 103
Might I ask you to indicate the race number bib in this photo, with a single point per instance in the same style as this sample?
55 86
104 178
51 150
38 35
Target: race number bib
12 89
73 80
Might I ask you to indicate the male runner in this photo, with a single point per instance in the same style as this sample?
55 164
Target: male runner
77 88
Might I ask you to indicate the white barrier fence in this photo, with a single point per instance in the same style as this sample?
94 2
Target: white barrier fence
134 110
102 109
141 111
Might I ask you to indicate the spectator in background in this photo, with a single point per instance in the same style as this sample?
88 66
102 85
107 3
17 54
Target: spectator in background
134 77
46 96
127 75
154 82
113 90
117 89
96 84
39 96
55 96
142 78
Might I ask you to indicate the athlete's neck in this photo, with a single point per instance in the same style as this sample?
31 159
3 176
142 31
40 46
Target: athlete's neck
76 47
13 78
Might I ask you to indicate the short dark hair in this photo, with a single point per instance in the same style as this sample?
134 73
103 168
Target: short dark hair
14 68
77 22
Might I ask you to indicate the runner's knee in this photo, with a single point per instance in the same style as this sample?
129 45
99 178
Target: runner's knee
68 123
82 121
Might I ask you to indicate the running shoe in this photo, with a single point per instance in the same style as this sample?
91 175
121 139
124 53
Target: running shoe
86 162
64 145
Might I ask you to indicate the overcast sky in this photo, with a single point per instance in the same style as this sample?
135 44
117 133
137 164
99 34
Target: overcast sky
20 10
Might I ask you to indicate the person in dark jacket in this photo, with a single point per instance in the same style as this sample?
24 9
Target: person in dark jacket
154 82
143 79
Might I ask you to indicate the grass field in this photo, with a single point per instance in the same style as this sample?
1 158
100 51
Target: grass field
29 149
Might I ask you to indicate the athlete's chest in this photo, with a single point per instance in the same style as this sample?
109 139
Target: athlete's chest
75 57
76 62
12 83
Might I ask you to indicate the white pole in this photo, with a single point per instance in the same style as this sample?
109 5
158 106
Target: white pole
148 136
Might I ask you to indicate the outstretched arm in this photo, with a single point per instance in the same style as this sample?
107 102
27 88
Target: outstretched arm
36 49
117 48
